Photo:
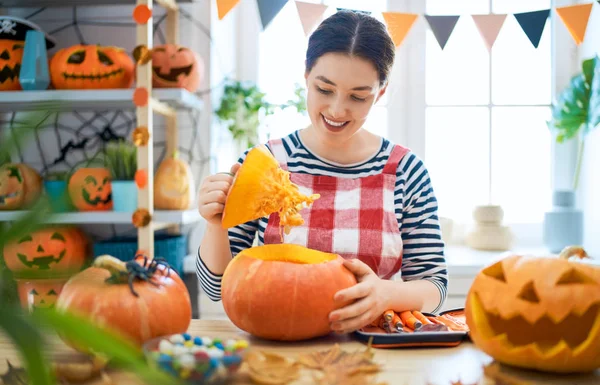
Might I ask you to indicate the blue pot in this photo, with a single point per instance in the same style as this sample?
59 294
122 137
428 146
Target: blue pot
563 224
124 196
58 195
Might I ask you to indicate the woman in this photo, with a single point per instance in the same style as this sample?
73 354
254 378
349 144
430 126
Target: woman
377 207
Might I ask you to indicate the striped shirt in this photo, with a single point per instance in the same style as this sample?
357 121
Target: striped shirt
415 207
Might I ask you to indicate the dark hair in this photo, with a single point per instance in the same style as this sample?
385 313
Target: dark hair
356 34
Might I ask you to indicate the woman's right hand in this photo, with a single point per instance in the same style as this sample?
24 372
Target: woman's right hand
213 193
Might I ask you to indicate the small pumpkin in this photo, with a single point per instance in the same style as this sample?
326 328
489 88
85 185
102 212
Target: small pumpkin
261 188
173 185
539 313
174 66
20 186
283 291
39 293
58 250
90 189
11 58
91 67
140 299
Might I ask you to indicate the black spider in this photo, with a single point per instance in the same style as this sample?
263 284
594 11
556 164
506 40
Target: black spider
143 272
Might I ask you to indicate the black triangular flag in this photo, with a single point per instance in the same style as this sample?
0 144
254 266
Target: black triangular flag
533 24
442 27
268 9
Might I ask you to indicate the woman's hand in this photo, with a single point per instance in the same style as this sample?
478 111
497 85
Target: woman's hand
213 193
370 298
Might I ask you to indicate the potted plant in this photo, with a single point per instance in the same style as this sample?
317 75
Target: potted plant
121 160
574 115
55 185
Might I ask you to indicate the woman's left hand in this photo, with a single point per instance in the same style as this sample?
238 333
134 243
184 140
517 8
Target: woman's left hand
369 299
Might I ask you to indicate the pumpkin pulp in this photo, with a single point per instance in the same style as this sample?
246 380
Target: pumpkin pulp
289 253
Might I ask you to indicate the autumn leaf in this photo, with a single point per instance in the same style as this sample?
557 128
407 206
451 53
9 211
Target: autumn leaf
271 369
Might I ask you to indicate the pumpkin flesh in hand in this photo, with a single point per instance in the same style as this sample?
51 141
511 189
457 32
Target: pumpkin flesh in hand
539 313
283 291
261 188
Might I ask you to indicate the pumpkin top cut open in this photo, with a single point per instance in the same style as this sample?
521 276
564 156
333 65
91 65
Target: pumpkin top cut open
261 188
290 253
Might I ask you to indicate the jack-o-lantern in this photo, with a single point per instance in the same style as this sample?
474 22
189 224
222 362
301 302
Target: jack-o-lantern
91 67
20 186
173 185
174 66
39 293
539 313
90 189
58 251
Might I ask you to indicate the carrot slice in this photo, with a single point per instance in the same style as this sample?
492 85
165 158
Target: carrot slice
421 317
409 320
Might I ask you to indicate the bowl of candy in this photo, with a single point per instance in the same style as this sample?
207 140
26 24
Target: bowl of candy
196 359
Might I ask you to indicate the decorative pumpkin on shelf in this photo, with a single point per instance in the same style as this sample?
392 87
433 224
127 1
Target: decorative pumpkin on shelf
174 66
39 293
140 299
539 313
173 185
91 67
261 188
283 291
20 186
90 189
56 251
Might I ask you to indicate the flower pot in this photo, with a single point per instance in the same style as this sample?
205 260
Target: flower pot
563 224
124 196
58 195
39 293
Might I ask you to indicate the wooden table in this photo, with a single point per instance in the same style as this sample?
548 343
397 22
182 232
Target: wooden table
409 366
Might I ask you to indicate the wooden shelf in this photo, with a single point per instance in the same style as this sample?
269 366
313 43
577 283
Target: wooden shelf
92 100
105 217
70 3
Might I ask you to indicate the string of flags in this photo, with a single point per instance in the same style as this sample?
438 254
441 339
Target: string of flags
574 17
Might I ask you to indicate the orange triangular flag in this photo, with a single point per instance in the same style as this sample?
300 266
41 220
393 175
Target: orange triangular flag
310 14
399 24
224 6
575 18
489 27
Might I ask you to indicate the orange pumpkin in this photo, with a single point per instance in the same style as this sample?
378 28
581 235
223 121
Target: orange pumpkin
56 250
20 186
538 313
283 291
11 57
39 293
174 66
173 185
147 309
91 67
261 188
90 189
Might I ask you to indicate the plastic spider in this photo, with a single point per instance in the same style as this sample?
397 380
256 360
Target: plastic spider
143 272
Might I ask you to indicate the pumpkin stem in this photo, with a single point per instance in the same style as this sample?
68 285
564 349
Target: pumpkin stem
110 263
570 251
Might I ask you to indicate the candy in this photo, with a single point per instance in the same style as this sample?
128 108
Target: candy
218 345
207 341
187 361
179 350
197 341
186 336
188 344
241 344
165 347
177 339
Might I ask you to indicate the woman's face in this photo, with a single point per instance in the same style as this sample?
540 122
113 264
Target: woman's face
341 92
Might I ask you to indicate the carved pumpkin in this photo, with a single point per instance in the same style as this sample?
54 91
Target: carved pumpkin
90 189
59 251
173 185
174 66
11 57
283 291
39 293
157 303
261 188
91 67
20 186
538 313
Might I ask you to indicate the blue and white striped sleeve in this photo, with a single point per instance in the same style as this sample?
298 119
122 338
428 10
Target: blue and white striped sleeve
423 256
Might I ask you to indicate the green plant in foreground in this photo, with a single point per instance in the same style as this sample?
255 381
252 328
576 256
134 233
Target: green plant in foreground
120 158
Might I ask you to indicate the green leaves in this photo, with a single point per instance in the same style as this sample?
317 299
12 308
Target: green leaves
120 158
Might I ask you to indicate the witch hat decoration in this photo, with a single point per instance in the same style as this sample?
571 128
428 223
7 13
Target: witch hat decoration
15 28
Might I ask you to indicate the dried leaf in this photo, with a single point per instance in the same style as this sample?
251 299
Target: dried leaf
335 357
271 369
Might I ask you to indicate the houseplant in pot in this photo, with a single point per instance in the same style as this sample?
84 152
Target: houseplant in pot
574 115
55 185
120 158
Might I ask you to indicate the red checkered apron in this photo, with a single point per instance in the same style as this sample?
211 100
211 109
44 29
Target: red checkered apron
354 218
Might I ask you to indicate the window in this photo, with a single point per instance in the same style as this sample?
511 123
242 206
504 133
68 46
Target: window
486 139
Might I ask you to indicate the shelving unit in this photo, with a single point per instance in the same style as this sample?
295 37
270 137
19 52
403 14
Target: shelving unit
160 217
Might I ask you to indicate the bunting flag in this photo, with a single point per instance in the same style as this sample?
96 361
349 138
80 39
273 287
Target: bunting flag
310 14
489 27
533 24
224 6
399 24
268 9
442 27
575 18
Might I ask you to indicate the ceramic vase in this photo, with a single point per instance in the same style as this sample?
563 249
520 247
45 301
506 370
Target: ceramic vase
124 196
563 223
488 233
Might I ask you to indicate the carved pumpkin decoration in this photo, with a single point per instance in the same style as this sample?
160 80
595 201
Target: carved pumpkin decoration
174 66
20 186
138 299
91 67
173 185
39 293
11 57
90 189
283 291
59 251
261 188
538 313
